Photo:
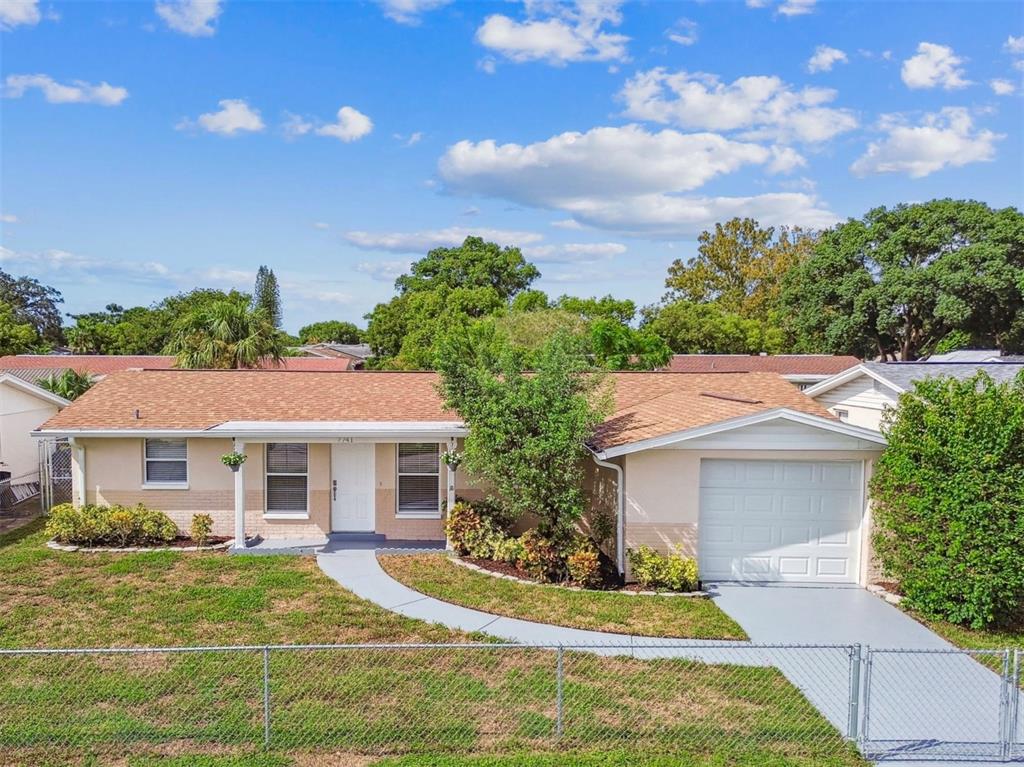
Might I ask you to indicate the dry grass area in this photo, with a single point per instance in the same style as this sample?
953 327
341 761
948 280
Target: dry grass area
680 617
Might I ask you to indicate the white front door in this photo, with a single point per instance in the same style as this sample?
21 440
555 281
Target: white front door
780 520
352 488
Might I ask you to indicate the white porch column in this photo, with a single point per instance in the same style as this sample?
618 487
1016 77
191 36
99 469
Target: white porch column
78 472
239 447
452 445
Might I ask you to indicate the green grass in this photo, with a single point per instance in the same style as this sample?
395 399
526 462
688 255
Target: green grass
683 617
754 758
976 639
370 704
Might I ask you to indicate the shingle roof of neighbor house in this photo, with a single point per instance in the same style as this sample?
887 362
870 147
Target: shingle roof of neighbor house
783 364
646 404
32 367
903 374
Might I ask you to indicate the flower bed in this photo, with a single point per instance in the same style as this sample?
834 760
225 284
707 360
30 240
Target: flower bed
181 543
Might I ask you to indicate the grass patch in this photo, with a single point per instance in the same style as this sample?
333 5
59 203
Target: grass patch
682 617
370 704
755 758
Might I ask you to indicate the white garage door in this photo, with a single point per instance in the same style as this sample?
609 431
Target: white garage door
780 520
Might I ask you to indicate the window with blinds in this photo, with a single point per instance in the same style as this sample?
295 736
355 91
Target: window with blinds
287 478
419 479
166 461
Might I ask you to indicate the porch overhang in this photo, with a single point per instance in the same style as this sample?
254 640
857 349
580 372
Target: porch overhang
298 431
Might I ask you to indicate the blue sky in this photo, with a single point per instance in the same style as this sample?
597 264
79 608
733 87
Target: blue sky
149 147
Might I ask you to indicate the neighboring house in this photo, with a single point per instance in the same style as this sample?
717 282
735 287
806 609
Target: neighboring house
968 355
23 407
803 370
34 367
356 354
861 395
738 469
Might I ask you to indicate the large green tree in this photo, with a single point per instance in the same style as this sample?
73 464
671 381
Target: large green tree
527 424
739 266
226 334
447 289
16 337
266 295
693 328
69 384
330 331
34 304
898 281
948 499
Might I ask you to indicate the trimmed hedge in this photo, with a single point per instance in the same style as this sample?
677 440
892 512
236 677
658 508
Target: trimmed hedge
949 500
120 526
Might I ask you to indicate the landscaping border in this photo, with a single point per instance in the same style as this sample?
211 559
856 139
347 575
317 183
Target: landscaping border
505 576
56 546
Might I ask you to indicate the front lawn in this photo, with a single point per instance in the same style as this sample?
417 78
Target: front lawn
349 706
682 617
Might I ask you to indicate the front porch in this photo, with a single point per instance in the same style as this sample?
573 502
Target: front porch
334 543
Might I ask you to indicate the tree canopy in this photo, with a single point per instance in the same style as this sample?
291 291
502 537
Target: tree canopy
226 334
898 281
693 328
69 384
473 264
266 295
16 337
330 331
32 303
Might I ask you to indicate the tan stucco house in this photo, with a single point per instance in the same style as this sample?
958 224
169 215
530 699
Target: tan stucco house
24 406
741 470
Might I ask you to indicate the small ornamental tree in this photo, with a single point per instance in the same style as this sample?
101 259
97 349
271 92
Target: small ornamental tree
949 499
527 429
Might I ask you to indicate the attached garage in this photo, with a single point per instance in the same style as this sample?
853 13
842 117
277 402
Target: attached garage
774 520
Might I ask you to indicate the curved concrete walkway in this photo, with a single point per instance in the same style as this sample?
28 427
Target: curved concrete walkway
926 707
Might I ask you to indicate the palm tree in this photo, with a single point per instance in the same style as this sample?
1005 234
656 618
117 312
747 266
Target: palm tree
70 384
226 334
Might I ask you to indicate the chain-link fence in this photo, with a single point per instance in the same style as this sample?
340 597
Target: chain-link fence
54 472
760 702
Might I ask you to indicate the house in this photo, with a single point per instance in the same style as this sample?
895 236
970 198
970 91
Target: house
803 370
741 470
861 395
35 367
23 407
356 354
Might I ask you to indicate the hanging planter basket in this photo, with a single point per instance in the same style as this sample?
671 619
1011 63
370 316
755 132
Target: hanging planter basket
451 459
233 461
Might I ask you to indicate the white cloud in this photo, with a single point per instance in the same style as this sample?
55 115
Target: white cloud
471 210
8 218
785 160
195 18
488 65
825 58
78 92
934 66
797 7
321 225
295 126
385 271
764 106
14 13
1002 87
574 252
1014 45
409 11
425 240
411 140
87 268
351 125
624 179
945 139
557 32
235 116
567 223
683 32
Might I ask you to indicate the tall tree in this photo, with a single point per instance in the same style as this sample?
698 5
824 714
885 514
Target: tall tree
69 384
692 328
15 337
739 266
475 263
330 331
35 304
267 295
897 282
226 334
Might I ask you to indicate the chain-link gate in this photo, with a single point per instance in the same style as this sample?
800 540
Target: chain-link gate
54 472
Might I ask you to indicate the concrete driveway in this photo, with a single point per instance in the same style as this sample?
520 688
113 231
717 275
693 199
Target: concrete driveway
927 704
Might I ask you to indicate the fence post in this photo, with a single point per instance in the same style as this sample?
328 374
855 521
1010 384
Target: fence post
559 685
266 697
853 721
1005 732
1016 694
865 718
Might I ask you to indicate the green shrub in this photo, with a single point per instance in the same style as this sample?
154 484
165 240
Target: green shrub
659 571
461 523
948 500
540 557
584 565
482 541
200 529
508 550
93 525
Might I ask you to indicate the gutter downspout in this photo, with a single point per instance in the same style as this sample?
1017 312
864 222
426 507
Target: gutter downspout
620 515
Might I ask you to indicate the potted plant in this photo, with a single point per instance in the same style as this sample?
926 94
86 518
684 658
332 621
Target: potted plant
451 459
233 460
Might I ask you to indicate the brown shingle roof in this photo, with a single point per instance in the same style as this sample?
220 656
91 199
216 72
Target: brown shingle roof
103 364
649 405
783 364
646 404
